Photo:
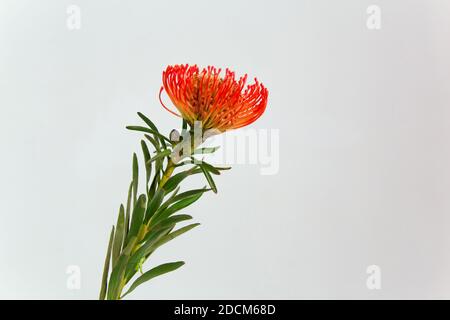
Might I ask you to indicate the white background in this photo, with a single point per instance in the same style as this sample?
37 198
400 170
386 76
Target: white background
364 155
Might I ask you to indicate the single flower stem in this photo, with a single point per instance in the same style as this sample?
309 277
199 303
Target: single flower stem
170 167
167 173
144 228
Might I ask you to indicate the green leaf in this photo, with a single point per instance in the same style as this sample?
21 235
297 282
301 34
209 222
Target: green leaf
172 221
189 193
152 236
147 130
213 169
156 239
149 241
205 150
147 121
155 272
157 176
176 179
148 166
127 212
196 170
177 206
177 197
115 279
154 142
145 150
138 216
209 178
152 126
127 250
154 204
118 238
173 235
135 178
210 168
160 155
169 201
155 182
106 267
222 168
117 273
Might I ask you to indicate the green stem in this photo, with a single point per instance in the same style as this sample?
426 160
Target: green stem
167 173
144 228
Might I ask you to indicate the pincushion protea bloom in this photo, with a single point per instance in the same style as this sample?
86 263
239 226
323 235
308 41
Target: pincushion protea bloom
148 219
219 102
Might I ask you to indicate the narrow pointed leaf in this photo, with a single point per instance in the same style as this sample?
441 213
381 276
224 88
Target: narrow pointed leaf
135 178
170 200
152 126
147 130
155 272
210 168
177 206
189 193
222 168
206 150
147 244
164 235
154 142
106 267
115 279
154 204
172 221
128 213
176 179
148 166
118 237
155 182
173 235
147 121
208 165
118 271
137 216
209 178
160 155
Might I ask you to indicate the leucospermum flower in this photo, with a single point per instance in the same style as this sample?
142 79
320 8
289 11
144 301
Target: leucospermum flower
148 219
220 102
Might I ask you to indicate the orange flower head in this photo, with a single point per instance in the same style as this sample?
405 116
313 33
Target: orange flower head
219 102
